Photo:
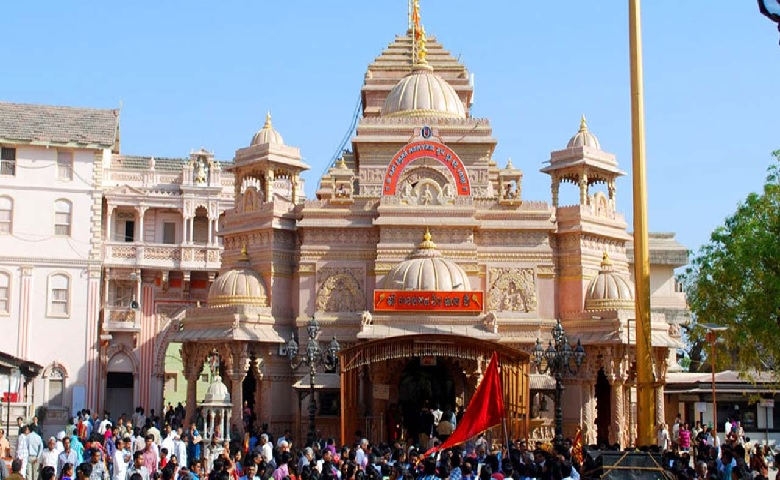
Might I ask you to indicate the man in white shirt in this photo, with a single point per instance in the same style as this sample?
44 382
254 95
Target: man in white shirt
120 460
180 447
167 442
266 450
50 454
104 424
21 446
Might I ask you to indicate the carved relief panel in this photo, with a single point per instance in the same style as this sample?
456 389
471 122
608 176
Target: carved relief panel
512 290
341 289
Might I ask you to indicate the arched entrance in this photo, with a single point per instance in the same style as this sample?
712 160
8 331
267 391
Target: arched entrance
120 384
426 372
426 382
603 408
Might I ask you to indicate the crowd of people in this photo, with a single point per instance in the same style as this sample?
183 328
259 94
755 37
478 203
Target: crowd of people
147 448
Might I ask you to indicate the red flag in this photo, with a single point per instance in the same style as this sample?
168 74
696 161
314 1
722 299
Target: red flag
576 450
485 410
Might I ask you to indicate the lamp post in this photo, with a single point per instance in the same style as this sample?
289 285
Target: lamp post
558 359
712 337
313 357
771 10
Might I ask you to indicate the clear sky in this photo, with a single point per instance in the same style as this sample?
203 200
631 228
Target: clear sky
192 74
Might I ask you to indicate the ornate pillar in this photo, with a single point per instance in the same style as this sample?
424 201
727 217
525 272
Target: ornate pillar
295 187
584 189
236 373
211 231
269 186
109 222
616 434
193 364
556 185
588 412
141 213
612 190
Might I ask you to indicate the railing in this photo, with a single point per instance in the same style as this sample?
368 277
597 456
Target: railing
163 256
121 319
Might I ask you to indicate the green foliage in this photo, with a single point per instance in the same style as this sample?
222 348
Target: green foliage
734 280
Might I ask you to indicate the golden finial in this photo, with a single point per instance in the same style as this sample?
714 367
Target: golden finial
267 119
422 51
509 165
605 261
583 124
244 254
342 163
427 244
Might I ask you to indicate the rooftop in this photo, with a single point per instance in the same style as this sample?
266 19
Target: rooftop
46 124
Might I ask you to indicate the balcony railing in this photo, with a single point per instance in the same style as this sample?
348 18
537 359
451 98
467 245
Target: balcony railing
184 257
121 319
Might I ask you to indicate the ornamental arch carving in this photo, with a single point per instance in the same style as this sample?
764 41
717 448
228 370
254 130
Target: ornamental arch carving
512 290
340 290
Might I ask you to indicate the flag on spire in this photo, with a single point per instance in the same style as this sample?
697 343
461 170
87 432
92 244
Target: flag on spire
485 410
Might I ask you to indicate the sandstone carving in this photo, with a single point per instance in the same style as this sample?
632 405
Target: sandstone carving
512 290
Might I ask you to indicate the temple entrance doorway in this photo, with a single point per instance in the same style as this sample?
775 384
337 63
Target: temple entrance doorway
425 382
603 408
248 392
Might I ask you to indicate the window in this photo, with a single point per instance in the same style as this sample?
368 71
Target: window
129 230
64 165
6 214
169 233
7 161
5 292
56 387
59 294
62 209
121 295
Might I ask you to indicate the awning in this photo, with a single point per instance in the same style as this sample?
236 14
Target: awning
371 332
657 338
539 381
28 369
322 381
254 333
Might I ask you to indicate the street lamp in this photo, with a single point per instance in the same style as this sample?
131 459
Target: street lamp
771 10
712 337
558 359
312 357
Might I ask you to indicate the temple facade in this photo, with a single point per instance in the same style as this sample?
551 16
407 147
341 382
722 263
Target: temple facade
421 257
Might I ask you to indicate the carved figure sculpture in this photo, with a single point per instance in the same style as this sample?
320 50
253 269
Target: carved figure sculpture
512 290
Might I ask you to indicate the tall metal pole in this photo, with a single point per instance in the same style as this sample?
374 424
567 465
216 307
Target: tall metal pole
312 435
711 338
558 408
646 411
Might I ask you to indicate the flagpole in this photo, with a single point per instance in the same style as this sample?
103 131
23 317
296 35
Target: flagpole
646 408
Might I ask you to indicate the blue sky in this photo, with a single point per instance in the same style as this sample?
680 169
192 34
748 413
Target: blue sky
192 74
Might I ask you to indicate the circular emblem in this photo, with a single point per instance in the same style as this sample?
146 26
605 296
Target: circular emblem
426 132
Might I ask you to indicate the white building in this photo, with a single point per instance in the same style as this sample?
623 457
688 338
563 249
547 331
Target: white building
50 245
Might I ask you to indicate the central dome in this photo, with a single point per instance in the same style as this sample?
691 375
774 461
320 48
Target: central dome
423 94
426 270
240 285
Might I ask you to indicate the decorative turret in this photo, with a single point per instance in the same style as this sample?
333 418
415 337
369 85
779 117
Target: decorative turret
609 290
583 163
510 180
267 134
427 270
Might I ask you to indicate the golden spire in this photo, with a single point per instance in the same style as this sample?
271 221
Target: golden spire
419 52
342 163
605 261
583 124
267 119
427 244
244 254
509 165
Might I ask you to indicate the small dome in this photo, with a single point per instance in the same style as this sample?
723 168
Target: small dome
217 392
240 285
584 138
609 290
423 94
267 134
426 270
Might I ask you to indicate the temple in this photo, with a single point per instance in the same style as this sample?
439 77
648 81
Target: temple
421 257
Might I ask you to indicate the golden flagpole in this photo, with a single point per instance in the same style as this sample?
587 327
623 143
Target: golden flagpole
646 408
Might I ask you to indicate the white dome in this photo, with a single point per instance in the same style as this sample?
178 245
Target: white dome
426 270
609 290
423 94
267 134
241 285
584 138
217 392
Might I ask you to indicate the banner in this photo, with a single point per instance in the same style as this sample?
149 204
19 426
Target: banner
421 301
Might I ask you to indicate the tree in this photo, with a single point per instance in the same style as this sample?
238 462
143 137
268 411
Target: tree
734 280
